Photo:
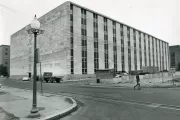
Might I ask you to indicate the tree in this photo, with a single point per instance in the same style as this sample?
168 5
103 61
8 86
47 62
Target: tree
3 70
178 67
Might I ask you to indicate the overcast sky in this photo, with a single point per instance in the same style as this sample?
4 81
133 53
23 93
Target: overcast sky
159 18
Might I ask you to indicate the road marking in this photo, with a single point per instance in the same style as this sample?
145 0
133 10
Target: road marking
171 108
154 105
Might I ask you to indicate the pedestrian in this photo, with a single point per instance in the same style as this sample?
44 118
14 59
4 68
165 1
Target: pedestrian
137 81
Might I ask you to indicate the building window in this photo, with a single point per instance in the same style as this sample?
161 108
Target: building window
135 55
71 40
156 51
173 59
129 49
96 54
84 41
6 53
122 46
162 55
166 55
145 56
6 49
134 34
114 46
106 44
140 50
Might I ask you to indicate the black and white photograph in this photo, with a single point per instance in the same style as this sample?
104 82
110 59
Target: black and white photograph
89 60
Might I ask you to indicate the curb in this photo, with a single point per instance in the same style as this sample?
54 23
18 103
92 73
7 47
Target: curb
63 113
58 114
114 86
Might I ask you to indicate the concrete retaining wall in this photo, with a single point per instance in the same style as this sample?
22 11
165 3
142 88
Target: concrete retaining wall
152 78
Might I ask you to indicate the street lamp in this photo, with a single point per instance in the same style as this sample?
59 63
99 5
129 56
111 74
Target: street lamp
35 29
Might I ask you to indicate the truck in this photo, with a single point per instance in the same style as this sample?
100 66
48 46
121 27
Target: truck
48 76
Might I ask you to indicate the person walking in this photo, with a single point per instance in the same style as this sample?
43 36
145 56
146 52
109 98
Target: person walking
137 81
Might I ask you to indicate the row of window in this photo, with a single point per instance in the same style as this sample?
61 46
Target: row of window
106 44
114 46
84 41
129 49
173 59
96 53
95 25
122 48
71 40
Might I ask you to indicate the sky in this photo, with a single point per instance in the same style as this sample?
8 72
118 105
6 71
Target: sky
159 18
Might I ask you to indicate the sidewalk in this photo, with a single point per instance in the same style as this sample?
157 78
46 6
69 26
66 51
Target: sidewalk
132 84
18 102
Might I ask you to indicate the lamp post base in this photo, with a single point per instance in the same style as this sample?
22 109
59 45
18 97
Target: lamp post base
34 113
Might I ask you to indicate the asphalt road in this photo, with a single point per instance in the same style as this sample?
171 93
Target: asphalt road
114 103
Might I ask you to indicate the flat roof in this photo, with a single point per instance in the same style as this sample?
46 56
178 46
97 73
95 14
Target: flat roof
174 46
69 2
5 45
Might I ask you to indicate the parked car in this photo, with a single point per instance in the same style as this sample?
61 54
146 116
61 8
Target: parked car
118 75
26 79
125 73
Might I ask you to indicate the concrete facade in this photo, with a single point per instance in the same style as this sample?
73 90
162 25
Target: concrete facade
90 43
101 42
126 61
77 40
142 48
132 49
110 44
118 38
158 52
155 53
147 50
5 56
137 50
54 44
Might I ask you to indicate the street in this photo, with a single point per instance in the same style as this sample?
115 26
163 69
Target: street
114 103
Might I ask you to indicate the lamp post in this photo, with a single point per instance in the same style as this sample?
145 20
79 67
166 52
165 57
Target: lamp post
35 29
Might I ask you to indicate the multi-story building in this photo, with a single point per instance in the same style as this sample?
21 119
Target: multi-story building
175 56
79 41
5 56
